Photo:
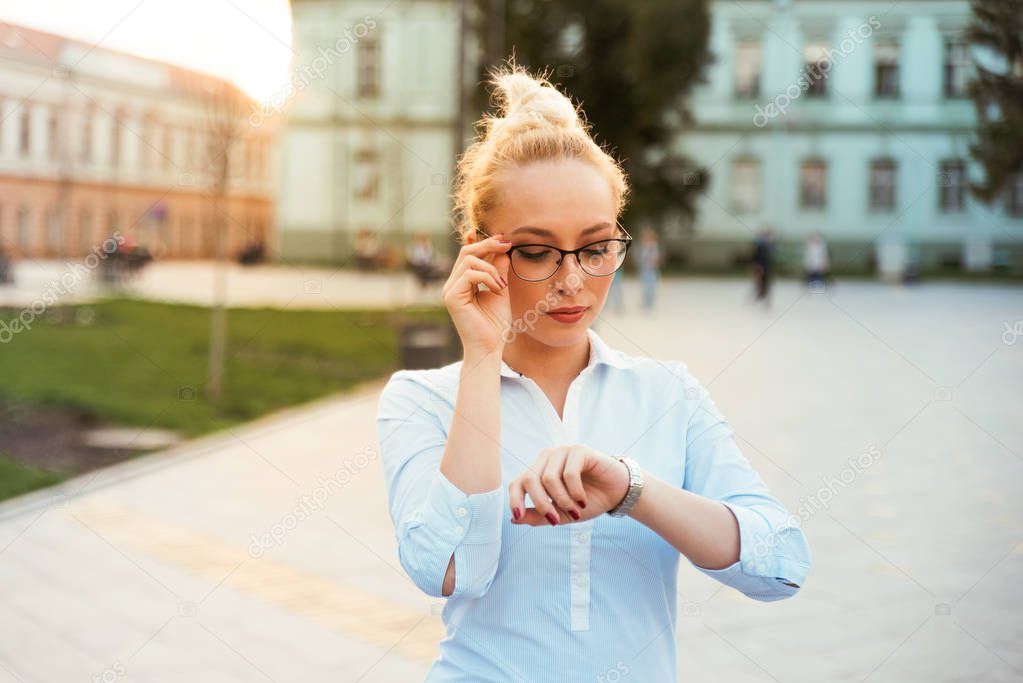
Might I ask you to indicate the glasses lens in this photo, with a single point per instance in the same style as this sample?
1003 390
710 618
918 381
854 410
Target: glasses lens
603 258
535 263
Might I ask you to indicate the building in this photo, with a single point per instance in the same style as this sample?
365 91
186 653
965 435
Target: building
368 143
95 142
849 118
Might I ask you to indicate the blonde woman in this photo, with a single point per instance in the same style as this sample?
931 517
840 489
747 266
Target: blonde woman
546 484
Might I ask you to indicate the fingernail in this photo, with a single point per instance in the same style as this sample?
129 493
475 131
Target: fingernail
552 518
582 503
516 513
575 515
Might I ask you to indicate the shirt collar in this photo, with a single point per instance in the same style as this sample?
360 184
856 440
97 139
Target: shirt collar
600 352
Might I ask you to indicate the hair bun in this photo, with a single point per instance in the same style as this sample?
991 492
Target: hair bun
528 102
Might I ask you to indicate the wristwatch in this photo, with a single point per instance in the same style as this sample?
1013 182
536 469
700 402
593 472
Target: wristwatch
635 487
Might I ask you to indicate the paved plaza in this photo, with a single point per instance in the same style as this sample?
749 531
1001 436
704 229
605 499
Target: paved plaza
191 564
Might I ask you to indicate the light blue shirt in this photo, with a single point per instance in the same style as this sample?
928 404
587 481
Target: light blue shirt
593 600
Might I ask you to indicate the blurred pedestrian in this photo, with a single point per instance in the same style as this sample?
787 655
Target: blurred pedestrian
421 258
763 255
6 274
649 266
816 264
616 294
367 250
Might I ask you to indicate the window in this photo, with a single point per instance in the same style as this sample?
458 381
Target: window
816 66
813 177
85 230
25 136
167 155
113 222
53 136
747 70
24 229
886 69
882 185
145 146
1014 205
951 186
746 185
366 182
957 63
115 139
54 243
87 117
367 76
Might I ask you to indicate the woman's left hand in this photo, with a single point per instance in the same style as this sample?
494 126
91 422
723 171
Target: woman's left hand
568 484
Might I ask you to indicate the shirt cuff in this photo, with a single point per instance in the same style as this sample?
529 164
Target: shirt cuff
762 571
460 517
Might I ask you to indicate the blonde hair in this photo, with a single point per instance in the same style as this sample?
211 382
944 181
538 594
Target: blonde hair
534 122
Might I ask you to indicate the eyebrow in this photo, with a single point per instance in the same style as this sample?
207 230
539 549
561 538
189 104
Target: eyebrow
547 233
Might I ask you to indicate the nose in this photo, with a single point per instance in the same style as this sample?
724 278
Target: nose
570 276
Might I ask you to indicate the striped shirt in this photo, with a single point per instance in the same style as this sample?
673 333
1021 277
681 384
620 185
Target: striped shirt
593 600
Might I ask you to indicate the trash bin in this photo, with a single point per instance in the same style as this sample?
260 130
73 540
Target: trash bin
423 344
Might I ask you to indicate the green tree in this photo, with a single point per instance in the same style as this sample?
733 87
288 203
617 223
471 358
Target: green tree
997 92
630 65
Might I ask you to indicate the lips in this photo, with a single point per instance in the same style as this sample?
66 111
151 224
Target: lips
570 310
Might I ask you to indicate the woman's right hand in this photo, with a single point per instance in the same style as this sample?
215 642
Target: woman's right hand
481 317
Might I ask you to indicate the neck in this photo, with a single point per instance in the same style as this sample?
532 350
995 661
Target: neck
535 360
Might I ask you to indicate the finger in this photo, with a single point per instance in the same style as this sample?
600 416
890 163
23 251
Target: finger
534 517
553 482
516 500
468 284
571 474
474 277
477 263
537 493
491 245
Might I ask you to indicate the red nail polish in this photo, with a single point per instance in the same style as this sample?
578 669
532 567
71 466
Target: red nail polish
552 518
516 513
582 503
575 515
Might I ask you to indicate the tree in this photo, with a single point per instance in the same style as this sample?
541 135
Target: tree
630 64
225 112
997 93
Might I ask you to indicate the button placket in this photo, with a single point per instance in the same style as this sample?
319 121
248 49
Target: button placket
579 552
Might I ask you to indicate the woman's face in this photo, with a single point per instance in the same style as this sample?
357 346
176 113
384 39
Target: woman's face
565 203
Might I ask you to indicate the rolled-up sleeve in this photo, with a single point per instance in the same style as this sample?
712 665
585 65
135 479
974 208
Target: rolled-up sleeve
433 519
774 557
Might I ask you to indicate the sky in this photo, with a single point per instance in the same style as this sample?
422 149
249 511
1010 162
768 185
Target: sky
245 41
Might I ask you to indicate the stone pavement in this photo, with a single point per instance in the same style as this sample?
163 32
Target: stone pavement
207 562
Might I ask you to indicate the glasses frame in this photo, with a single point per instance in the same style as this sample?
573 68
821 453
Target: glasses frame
627 241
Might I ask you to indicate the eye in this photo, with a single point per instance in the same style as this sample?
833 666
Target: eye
536 254
598 249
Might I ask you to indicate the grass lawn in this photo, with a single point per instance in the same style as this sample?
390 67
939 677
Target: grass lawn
17 478
143 363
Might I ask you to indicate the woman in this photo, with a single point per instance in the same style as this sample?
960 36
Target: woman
502 468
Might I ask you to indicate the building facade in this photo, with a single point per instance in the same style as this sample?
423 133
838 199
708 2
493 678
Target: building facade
847 118
94 142
368 140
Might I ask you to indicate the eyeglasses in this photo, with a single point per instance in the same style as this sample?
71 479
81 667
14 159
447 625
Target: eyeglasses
538 262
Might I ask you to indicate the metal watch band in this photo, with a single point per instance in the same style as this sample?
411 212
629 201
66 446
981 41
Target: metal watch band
635 487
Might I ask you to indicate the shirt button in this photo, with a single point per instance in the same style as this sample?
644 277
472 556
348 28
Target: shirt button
459 529
462 512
